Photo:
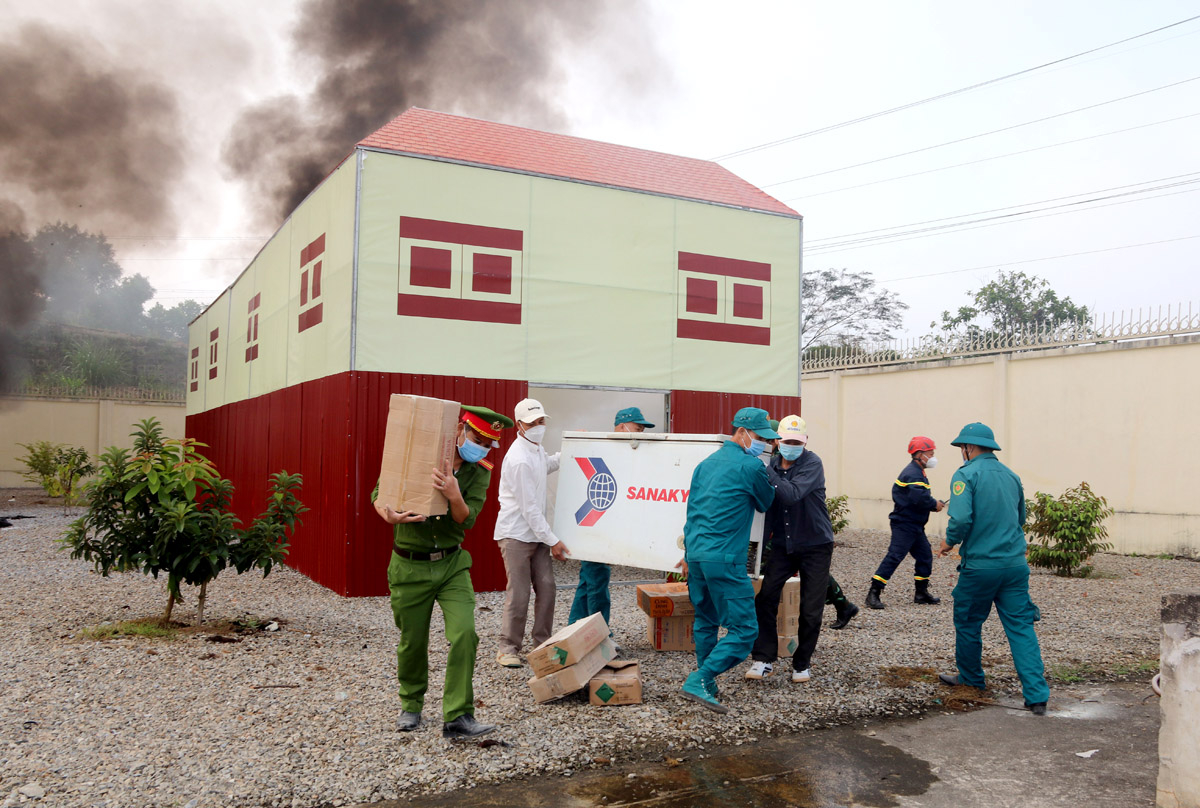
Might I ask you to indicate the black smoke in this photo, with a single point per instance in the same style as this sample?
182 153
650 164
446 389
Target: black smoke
81 139
376 58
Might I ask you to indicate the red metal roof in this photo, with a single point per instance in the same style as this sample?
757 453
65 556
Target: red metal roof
453 137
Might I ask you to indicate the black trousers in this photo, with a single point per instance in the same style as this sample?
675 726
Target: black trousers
812 563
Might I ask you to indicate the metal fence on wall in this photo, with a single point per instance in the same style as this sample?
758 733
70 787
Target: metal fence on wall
1126 325
34 390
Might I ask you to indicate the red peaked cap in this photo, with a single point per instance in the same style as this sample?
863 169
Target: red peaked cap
920 444
485 421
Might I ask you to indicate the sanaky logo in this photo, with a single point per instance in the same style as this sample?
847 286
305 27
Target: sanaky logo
723 299
457 271
601 490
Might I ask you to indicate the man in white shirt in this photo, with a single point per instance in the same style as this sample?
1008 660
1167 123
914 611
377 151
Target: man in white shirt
526 541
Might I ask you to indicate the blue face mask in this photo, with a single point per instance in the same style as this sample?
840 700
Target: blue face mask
756 447
790 453
472 452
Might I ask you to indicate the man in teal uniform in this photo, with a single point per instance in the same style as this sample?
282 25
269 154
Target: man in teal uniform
987 518
428 564
591 595
727 488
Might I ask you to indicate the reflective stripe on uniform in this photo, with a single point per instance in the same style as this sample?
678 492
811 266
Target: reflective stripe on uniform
919 578
881 580
914 482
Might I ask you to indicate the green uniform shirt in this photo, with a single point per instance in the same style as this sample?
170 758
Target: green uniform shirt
727 488
987 514
442 532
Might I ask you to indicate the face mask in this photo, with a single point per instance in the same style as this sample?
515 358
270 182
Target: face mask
931 463
472 452
535 433
790 453
964 456
756 447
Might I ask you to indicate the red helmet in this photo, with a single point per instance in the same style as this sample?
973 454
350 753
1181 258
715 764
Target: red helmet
920 444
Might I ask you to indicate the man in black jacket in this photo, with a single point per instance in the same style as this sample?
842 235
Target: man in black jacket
912 505
801 542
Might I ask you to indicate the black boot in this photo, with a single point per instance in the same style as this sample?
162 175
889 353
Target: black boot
873 600
845 613
922 594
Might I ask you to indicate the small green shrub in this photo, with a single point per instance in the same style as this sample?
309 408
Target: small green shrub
98 364
839 512
1068 530
166 509
57 468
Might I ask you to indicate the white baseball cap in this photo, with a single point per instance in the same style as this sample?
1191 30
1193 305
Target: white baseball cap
793 428
529 410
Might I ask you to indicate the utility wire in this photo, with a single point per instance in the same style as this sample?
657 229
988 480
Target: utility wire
987 159
996 221
911 104
983 134
1036 260
1012 207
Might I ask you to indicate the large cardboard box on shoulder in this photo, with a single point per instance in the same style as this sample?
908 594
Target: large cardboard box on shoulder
568 646
665 600
419 438
618 682
573 677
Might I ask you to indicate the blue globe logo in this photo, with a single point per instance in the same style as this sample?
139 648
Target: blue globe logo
602 491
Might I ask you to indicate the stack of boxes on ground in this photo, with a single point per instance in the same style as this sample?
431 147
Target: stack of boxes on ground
582 655
669 616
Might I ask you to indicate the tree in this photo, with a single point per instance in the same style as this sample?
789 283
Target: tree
172 323
847 308
166 510
82 282
1011 303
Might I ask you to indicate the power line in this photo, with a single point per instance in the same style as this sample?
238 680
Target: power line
983 134
994 157
910 105
1036 260
995 221
1014 207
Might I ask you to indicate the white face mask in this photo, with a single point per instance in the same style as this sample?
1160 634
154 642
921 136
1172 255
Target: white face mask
535 433
931 463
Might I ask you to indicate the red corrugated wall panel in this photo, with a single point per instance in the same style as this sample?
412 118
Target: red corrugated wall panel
372 547
694 411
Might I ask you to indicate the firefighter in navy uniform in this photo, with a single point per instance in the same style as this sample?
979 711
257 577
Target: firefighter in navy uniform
913 504
428 564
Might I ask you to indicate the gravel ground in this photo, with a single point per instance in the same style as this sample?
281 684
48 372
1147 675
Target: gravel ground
304 716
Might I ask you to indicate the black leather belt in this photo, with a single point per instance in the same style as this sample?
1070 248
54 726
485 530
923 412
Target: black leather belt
409 554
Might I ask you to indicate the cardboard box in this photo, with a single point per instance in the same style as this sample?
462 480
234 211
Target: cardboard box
419 438
573 677
665 600
568 646
787 624
670 633
787 646
618 682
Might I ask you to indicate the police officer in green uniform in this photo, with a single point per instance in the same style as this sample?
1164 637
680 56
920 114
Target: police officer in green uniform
987 518
428 564
727 488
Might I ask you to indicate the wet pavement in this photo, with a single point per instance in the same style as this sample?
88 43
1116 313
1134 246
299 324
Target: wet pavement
1098 746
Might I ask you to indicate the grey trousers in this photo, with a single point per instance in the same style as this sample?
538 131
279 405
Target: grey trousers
526 563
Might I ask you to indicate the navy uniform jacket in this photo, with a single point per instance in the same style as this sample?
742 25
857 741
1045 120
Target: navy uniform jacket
799 515
911 496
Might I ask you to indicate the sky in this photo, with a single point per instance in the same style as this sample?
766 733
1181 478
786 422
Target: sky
707 80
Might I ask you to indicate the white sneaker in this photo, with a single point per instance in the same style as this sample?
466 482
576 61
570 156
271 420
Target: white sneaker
802 676
508 660
759 670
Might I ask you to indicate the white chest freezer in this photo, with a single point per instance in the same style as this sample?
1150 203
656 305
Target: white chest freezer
622 497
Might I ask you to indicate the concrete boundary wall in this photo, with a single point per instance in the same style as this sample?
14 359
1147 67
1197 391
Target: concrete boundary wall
1119 415
94 424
